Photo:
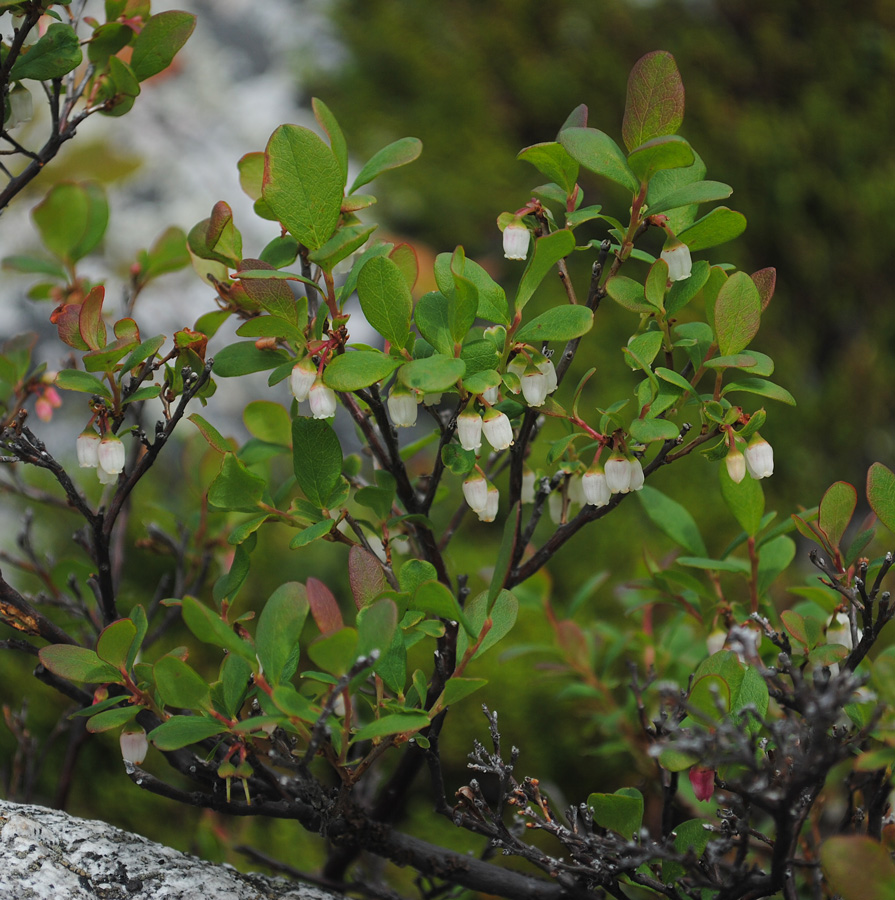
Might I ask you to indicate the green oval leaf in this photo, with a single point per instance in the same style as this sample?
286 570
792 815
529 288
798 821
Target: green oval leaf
396 154
858 867
385 299
597 152
881 493
279 629
836 509
552 159
75 380
78 664
114 643
717 227
666 152
55 54
317 459
698 192
180 685
181 731
548 251
303 184
396 723
358 369
737 313
562 323
432 374
621 812
159 41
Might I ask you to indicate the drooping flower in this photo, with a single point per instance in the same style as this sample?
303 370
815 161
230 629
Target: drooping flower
469 429
87 446
47 401
402 406
517 366
322 400
534 386
703 781
637 478
110 455
549 370
497 429
618 473
492 501
596 489
133 746
736 464
304 374
677 255
516 239
528 486
490 395
475 492
759 457
575 490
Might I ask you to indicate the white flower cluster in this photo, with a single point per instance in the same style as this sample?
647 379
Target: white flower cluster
536 374
483 498
307 384
106 455
757 460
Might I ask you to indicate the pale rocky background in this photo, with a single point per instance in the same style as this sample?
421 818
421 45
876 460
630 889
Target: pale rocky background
48 855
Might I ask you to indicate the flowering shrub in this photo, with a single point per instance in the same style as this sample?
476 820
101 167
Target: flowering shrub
310 687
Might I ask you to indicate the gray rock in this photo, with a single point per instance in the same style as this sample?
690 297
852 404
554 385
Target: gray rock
49 855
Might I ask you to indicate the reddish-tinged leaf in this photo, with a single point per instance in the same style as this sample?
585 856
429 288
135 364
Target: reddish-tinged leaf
655 101
766 282
364 575
90 319
858 868
881 494
66 318
324 607
703 781
127 330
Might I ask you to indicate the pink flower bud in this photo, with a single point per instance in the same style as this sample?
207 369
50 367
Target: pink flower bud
703 781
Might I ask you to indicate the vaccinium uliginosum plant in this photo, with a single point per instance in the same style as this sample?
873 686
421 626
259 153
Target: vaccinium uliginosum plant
757 726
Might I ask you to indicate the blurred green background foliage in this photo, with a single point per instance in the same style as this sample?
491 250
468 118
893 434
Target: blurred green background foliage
788 101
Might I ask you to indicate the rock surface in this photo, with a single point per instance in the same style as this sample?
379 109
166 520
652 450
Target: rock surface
48 855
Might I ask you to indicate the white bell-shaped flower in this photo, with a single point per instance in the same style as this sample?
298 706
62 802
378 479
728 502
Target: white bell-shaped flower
469 429
677 255
516 240
492 501
596 489
497 429
475 491
402 406
322 400
759 457
304 374
110 454
87 446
